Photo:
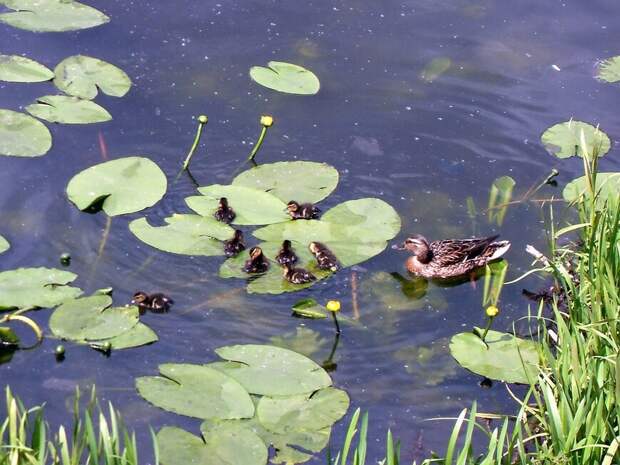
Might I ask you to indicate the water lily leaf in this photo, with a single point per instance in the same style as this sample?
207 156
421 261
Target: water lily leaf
371 214
272 371
139 335
303 181
7 338
125 185
81 75
309 308
563 139
286 77
609 69
68 110
14 68
51 15
303 412
196 391
303 340
251 206
503 357
184 234
4 245
22 135
607 187
36 287
435 68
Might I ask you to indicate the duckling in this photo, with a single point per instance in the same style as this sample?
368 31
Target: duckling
286 255
297 275
451 258
224 213
257 262
156 303
324 257
234 246
303 211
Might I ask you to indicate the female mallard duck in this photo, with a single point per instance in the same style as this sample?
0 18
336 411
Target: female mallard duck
286 255
324 257
224 213
234 246
257 263
297 275
451 258
302 211
156 303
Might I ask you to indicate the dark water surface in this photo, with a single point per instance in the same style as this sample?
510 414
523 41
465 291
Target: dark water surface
422 143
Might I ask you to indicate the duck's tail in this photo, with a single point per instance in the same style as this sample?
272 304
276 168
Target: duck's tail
496 249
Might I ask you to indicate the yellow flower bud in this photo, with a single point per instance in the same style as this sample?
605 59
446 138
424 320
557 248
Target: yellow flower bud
492 311
333 306
202 119
266 120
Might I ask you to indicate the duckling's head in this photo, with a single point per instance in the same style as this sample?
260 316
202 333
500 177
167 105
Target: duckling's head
238 237
223 203
315 247
286 245
292 206
139 297
256 253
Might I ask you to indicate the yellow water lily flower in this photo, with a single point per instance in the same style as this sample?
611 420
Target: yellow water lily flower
266 120
333 306
492 311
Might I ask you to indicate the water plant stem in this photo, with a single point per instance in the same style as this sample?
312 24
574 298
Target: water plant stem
266 121
202 121
486 329
336 322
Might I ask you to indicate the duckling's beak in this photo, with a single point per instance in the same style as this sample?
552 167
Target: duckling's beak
399 246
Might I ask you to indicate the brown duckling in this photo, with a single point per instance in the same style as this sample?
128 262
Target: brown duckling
297 275
303 211
224 213
257 263
156 303
324 257
451 258
286 255
234 246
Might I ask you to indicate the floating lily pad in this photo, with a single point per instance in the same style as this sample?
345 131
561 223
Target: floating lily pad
251 206
435 68
81 75
302 181
139 335
8 338
503 357
286 77
310 308
22 135
14 68
303 340
4 245
374 215
196 391
125 185
68 110
36 287
272 371
184 234
607 187
564 139
51 15
609 69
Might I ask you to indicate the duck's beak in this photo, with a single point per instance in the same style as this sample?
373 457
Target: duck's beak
399 246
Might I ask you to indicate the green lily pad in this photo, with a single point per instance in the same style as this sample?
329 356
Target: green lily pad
251 206
564 139
503 357
36 287
309 308
8 338
22 135
68 110
609 69
51 15
286 77
302 181
303 340
139 335
272 371
14 68
435 68
374 215
184 234
196 391
125 185
4 245
607 187
81 75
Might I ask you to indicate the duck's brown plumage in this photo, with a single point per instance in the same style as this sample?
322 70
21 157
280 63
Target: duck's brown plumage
156 303
224 212
257 263
297 275
286 255
303 211
325 258
234 246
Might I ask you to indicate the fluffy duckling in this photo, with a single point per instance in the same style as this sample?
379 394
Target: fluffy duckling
257 263
324 257
297 275
156 303
286 255
234 246
303 211
224 213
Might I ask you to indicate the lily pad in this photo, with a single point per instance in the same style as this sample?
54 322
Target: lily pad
125 185
36 287
14 68
374 215
286 77
251 206
504 357
184 234
8 338
51 15
196 391
609 69
309 308
272 371
68 110
302 181
4 245
607 187
139 335
81 75
22 135
435 68
564 139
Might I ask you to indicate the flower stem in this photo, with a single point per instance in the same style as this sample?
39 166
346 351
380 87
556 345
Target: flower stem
202 121
336 322
259 142
486 330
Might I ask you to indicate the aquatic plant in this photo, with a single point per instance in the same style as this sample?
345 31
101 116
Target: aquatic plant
51 15
609 69
286 77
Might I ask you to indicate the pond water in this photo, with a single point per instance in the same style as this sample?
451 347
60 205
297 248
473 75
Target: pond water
423 103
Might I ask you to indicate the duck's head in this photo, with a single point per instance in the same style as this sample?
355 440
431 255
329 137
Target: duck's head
256 253
315 247
416 245
292 206
223 203
139 297
238 237
286 245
